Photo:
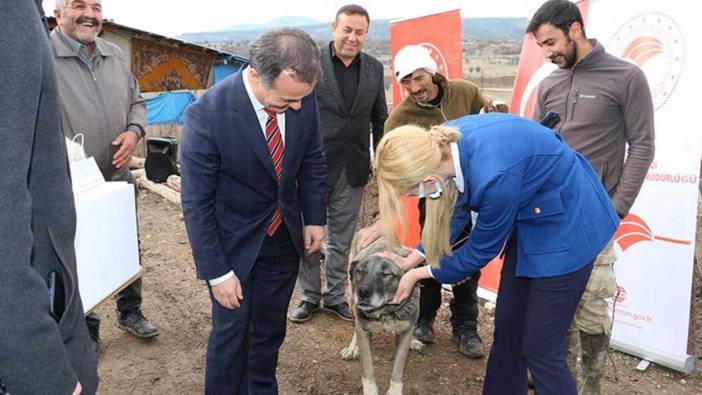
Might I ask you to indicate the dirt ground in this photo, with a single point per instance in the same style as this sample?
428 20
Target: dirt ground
173 363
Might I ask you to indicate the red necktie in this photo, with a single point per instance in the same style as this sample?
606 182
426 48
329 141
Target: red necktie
275 146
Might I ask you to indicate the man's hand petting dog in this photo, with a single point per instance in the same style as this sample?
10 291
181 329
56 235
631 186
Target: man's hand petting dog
314 236
370 234
228 293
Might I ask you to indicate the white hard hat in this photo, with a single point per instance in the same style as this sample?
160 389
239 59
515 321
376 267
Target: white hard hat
411 58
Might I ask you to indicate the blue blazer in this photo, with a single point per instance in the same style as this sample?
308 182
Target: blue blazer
228 185
520 176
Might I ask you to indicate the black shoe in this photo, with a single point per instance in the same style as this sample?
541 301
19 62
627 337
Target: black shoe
95 345
469 342
341 310
424 331
134 322
303 311
92 321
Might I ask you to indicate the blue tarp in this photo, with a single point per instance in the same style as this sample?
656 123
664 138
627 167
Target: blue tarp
168 107
222 71
231 64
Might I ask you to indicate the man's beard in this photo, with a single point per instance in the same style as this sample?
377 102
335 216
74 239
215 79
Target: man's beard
570 58
421 92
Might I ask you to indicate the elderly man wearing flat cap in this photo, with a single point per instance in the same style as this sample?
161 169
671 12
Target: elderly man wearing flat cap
431 99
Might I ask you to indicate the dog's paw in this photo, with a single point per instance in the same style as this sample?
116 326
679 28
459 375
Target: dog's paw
369 387
416 345
349 353
395 388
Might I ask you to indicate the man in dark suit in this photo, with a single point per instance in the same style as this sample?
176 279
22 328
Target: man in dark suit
253 172
44 345
351 98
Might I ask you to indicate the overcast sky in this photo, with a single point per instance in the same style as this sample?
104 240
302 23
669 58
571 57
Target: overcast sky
173 17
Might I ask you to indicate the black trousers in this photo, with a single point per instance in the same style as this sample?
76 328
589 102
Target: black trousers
464 305
531 320
130 297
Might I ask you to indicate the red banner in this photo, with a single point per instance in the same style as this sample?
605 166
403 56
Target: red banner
440 33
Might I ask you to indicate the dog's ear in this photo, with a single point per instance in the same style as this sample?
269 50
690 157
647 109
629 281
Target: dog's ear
352 267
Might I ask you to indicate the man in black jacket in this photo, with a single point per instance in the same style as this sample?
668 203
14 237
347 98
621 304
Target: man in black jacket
351 98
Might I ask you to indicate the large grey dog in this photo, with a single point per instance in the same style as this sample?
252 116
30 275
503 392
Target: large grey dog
374 280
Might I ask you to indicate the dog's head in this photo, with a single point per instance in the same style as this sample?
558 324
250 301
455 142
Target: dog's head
374 279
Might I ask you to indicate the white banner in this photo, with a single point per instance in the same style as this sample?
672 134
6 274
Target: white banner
656 242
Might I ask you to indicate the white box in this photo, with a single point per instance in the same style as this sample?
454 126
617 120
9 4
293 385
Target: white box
107 250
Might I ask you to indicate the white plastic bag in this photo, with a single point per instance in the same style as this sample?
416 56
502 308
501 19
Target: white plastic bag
85 173
75 150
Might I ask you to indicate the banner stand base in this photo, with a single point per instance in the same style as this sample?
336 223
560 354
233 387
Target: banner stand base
685 364
487 294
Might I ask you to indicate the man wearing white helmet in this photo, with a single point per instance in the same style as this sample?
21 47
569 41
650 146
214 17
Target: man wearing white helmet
431 100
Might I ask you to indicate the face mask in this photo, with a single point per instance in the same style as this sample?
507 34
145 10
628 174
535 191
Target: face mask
421 193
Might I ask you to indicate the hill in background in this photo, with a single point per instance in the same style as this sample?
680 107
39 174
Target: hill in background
282 21
473 29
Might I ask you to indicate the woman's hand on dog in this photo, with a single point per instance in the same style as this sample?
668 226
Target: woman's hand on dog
228 293
407 283
404 262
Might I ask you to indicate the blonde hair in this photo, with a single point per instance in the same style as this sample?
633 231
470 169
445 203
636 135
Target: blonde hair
405 157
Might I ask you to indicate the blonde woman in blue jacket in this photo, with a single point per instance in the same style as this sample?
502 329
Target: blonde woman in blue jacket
535 197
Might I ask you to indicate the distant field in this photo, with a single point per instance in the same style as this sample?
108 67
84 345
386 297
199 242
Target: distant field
504 94
490 65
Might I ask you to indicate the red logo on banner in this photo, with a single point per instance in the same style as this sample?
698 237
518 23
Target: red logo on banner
620 296
642 49
633 229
